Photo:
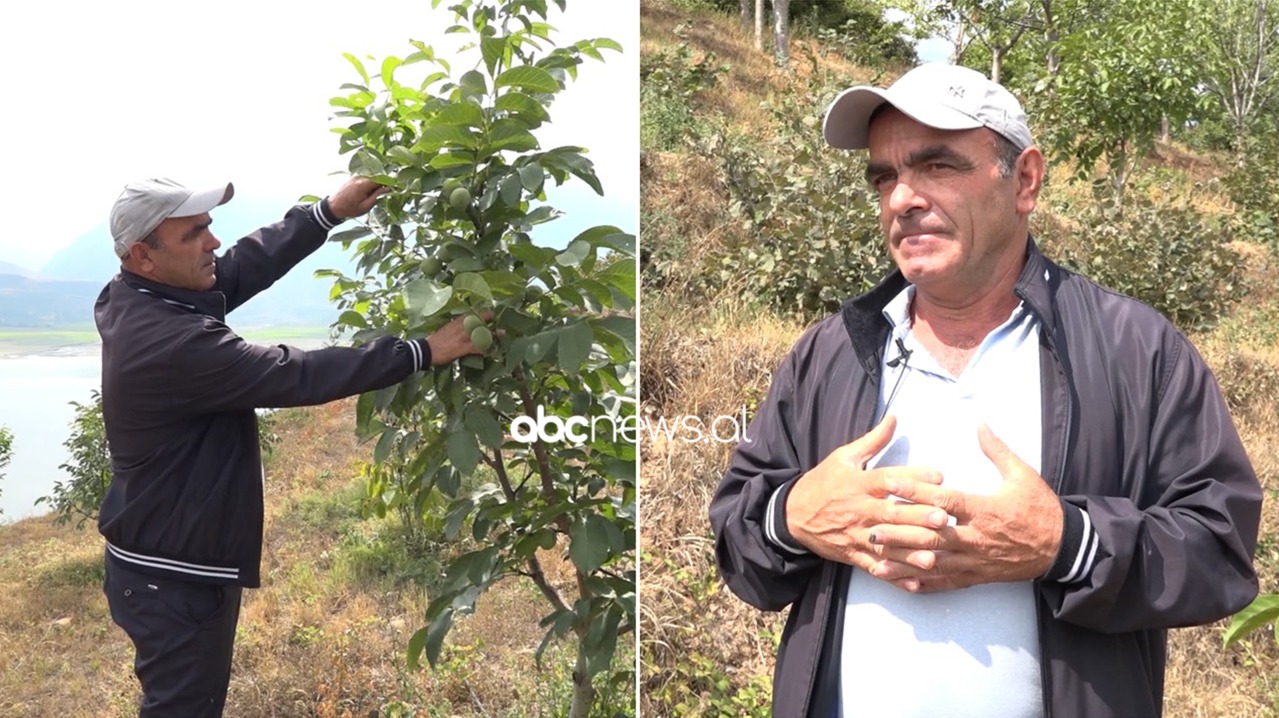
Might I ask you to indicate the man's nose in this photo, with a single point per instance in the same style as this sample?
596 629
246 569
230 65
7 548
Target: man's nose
904 199
214 243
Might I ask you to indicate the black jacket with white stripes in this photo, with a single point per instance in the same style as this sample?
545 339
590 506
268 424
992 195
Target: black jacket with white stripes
179 393
1162 505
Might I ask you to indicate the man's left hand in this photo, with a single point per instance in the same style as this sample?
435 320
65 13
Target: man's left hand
1010 535
356 197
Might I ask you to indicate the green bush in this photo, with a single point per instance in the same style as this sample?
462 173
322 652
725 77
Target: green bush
669 83
813 225
6 451
1167 254
89 466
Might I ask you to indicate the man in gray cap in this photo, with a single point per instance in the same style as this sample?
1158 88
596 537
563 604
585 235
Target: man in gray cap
988 486
183 515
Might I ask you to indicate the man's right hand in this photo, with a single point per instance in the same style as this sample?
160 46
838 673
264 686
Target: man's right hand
833 509
452 342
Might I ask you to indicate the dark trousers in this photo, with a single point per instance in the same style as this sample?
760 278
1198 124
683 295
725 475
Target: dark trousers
183 633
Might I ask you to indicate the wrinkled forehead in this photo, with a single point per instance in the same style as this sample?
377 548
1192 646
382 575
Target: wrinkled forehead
892 132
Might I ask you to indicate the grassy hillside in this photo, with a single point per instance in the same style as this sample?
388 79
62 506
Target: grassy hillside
326 634
711 340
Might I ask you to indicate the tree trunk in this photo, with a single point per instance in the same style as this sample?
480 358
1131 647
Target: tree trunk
744 8
583 692
1165 131
996 64
759 24
781 31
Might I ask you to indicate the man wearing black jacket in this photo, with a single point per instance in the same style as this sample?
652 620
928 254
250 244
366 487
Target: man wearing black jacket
183 515
988 486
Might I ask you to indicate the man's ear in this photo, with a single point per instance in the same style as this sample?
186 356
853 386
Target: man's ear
139 257
1029 174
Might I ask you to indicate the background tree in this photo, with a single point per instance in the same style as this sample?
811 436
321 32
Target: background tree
6 451
468 183
89 465
1241 55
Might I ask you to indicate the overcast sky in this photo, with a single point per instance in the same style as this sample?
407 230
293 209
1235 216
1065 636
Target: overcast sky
98 94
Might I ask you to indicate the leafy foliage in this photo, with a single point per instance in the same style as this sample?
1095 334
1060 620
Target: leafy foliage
1166 254
1263 611
670 81
813 227
6 450
563 320
89 465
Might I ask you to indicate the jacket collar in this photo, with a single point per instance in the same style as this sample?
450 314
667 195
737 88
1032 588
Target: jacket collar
868 329
211 303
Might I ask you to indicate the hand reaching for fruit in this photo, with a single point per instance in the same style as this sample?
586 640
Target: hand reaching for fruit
454 340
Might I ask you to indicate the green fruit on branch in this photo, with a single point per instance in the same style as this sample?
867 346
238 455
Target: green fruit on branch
482 338
472 322
450 185
460 198
532 293
432 266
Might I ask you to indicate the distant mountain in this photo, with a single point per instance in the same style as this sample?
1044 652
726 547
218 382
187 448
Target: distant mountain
12 269
298 299
49 303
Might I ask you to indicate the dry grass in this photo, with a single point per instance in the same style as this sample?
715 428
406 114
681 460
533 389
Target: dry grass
315 640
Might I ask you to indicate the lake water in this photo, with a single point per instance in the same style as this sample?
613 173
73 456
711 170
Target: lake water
34 395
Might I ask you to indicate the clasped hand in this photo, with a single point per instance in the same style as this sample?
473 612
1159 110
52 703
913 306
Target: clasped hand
894 522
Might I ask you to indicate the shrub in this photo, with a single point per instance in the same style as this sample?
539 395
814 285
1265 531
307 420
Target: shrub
89 466
669 83
1166 254
814 238
6 451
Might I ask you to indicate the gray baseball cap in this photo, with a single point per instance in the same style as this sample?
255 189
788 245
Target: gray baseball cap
941 96
142 206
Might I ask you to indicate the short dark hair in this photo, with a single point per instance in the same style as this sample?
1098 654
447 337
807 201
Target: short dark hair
1006 154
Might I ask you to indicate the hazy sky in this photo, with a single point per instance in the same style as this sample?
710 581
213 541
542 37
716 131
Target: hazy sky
97 94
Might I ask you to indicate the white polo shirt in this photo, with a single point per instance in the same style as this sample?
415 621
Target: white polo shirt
975 651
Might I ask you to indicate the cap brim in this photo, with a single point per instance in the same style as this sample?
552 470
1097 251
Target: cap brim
204 200
847 123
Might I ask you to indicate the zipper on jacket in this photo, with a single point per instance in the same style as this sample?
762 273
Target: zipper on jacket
1045 678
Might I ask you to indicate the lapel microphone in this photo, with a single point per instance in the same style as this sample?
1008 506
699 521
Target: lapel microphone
903 355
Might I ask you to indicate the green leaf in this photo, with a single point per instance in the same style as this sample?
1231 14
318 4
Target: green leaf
350 235
528 78
1263 609
589 543
352 318
438 136
575 346
359 66
463 453
384 445
473 84
607 44
416 644
532 176
474 284
621 276
403 155
424 298
435 633
482 421
601 642
525 106
491 49
465 114
388 70
456 517
445 161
